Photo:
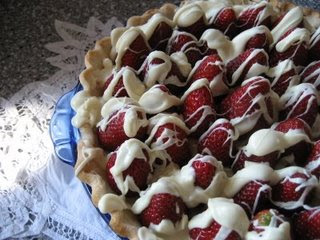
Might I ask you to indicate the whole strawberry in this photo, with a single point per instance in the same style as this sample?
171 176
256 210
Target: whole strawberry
212 68
251 100
300 101
186 43
253 196
122 119
218 141
136 49
137 166
245 65
161 34
168 136
197 108
311 74
313 162
224 21
283 76
306 224
285 49
293 187
161 202
254 15
205 172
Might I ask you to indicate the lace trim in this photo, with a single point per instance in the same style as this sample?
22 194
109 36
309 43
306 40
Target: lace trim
25 145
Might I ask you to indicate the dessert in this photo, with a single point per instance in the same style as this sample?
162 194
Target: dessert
201 122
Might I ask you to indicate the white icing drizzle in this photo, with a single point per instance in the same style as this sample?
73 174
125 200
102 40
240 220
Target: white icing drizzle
255 70
289 21
283 67
181 60
149 27
87 109
110 203
132 84
193 195
265 13
226 213
315 73
188 15
156 72
132 122
252 172
315 38
297 36
156 100
314 163
295 94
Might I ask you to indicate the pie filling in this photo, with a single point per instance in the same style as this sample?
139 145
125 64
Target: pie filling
201 122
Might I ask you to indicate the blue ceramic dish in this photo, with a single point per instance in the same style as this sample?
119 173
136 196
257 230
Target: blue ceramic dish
65 137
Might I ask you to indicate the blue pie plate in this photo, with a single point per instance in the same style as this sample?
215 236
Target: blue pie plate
65 137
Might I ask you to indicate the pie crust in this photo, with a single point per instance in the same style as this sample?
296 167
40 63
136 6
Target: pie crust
91 160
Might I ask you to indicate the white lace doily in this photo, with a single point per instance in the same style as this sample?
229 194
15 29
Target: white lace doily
39 195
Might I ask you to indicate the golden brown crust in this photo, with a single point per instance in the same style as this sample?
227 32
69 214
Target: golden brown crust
91 159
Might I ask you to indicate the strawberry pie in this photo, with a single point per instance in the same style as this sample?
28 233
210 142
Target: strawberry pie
202 122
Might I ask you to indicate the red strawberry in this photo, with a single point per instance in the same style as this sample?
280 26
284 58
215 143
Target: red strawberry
244 100
297 51
119 89
266 218
172 139
211 232
218 141
301 149
250 57
163 206
258 41
160 36
314 50
209 67
111 132
291 191
197 109
253 196
242 156
300 101
283 76
139 170
311 74
224 21
187 43
204 173
136 53
306 224
253 16
313 162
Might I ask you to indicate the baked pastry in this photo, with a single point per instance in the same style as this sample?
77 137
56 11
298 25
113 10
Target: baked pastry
200 122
